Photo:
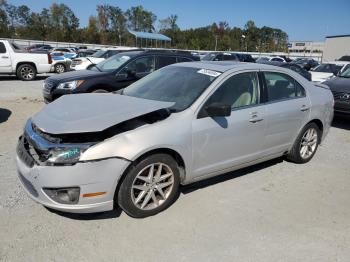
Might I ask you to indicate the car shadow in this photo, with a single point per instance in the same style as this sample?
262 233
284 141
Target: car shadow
14 78
341 121
4 114
115 213
228 176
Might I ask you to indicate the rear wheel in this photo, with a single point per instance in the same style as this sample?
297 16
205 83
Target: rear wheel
306 144
26 72
150 186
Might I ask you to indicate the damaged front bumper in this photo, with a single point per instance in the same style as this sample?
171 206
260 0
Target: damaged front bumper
81 187
90 177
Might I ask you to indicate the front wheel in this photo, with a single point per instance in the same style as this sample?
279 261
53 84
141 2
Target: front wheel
150 186
306 144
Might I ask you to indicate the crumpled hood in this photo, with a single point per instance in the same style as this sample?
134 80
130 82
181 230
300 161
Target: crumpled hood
339 84
82 113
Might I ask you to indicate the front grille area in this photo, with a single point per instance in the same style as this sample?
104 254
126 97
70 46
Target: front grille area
31 189
23 152
341 96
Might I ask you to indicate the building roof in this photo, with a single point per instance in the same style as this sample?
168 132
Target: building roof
335 36
146 35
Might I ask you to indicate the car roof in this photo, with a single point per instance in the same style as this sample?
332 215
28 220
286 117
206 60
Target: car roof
223 66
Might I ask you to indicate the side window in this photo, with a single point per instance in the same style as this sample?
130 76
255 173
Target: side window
238 91
183 59
228 57
165 60
281 86
277 59
142 65
2 48
219 57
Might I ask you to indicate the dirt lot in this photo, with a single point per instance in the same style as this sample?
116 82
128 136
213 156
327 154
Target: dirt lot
276 211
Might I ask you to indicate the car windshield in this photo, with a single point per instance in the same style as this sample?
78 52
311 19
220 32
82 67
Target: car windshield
322 68
209 57
345 73
99 53
114 62
181 85
262 59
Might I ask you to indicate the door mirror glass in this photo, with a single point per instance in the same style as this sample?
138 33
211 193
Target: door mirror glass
218 109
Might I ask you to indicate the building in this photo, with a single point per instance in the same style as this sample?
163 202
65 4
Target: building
336 47
305 47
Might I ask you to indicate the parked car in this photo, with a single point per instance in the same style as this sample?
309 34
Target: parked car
25 65
85 52
325 71
340 87
220 56
181 124
37 46
245 58
345 58
112 74
83 63
68 52
293 67
43 49
263 59
306 63
60 63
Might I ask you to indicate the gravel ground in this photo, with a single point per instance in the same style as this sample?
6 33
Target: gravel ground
275 211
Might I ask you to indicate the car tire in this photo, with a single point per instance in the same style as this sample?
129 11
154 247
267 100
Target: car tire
26 72
306 144
60 68
150 186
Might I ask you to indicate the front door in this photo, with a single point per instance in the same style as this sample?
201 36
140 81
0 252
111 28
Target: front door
223 142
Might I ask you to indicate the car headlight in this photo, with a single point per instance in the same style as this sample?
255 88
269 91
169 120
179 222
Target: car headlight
70 85
70 155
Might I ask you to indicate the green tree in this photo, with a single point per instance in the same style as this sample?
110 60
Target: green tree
118 23
140 19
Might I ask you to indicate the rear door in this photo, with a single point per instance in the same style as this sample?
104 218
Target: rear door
287 110
5 59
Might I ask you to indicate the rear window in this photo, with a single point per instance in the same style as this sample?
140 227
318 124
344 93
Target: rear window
2 48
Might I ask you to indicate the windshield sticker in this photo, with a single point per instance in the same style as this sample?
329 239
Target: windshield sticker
208 72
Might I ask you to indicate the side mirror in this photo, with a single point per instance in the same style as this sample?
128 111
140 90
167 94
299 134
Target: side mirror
218 109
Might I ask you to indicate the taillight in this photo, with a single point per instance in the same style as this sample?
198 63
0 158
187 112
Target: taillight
49 58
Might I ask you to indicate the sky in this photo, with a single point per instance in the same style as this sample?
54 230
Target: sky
308 20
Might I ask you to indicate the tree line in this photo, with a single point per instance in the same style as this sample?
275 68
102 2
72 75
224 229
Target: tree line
109 26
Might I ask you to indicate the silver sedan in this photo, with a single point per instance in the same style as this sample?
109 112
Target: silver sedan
181 124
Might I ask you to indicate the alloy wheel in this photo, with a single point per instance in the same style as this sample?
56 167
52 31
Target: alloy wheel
60 69
308 143
152 186
27 73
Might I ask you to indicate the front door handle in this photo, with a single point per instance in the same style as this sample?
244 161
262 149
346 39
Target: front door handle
304 108
4 56
254 118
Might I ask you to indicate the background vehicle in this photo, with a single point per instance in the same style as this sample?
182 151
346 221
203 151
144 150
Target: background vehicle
25 65
263 59
44 49
178 125
293 67
245 58
220 56
60 63
102 54
323 72
68 52
306 63
112 74
85 52
340 87
345 58
38 46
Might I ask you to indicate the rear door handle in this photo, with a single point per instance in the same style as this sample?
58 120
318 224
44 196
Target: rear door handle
304 108
4 56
